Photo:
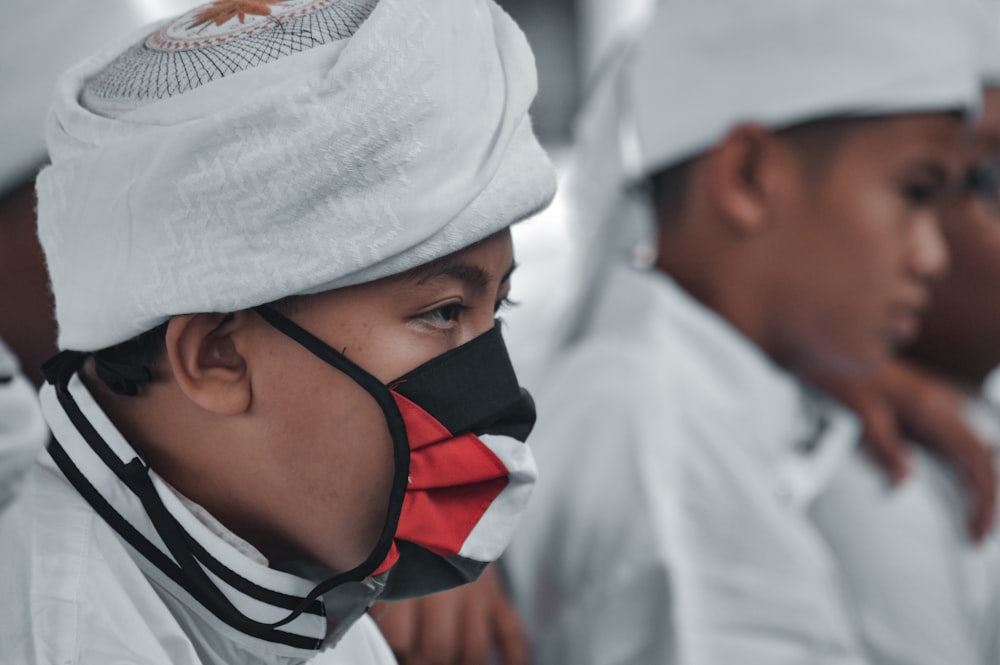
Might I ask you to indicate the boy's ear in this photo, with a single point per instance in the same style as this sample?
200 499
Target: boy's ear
206 363
742 171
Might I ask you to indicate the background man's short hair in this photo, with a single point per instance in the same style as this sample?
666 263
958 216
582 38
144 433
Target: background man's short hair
125 368
815 141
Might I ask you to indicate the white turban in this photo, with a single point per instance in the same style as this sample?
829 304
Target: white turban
704 65
991 47
230 160
697 68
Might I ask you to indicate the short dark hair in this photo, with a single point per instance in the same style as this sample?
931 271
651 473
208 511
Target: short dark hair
816 142
126 367
669 189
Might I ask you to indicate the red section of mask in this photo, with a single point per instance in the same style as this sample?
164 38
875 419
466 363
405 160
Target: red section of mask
453 481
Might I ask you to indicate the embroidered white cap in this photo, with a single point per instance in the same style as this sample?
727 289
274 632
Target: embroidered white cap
244 152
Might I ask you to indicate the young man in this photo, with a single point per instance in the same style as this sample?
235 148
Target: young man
798 154
920 590
277 239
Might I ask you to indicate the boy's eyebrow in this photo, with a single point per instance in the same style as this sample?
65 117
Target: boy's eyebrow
467 273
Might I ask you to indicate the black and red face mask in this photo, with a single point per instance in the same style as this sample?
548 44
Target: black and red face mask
463 474
462 478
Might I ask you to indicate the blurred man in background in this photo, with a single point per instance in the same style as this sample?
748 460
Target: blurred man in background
921 591
799 157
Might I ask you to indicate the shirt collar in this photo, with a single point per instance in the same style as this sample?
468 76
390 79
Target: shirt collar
799 432
260 593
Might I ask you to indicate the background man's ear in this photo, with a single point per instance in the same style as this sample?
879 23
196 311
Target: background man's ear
206 362
742 172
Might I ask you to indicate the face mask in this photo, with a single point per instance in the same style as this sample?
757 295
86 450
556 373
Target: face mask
463 474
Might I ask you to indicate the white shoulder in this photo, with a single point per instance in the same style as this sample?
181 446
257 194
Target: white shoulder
363 644
72 592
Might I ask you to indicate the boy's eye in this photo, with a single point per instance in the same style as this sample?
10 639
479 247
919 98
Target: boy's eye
445 315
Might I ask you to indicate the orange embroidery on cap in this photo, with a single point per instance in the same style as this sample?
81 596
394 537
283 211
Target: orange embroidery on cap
222 11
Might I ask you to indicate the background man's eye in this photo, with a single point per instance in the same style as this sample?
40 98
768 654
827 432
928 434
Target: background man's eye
920 194
984 182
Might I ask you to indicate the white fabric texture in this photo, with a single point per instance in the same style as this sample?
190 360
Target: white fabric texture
75 592
22 430
669 523
991 47
59 556
340 164
921 592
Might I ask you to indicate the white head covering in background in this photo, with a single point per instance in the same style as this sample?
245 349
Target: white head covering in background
246 152
700 67
991 46
38 40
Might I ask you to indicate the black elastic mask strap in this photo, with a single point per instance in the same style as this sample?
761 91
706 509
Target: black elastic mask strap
397 430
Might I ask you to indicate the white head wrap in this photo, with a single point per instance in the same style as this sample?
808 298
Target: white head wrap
991 46
38 41
233 158
704 65
700 67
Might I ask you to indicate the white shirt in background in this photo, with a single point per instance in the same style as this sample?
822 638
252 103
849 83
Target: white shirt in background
921 592
669 524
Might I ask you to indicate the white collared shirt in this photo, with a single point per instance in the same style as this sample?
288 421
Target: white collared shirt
76 591
921 592
676 462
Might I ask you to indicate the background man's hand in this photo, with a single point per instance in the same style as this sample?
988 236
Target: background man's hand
469 625
902 400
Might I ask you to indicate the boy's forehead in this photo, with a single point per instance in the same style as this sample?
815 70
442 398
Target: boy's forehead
475 266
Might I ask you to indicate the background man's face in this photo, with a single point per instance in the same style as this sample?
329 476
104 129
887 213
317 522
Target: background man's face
863 243
961 332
